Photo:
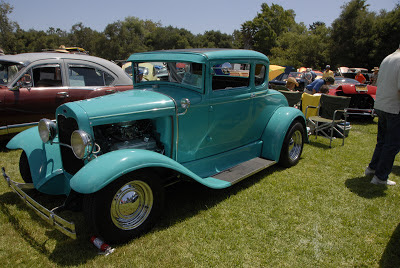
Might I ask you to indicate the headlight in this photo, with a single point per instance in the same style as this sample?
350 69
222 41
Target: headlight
47 130
81 144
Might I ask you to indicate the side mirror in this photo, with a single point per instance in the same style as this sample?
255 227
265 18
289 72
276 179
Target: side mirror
25 81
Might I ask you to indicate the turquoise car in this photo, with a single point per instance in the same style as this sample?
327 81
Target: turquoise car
210 119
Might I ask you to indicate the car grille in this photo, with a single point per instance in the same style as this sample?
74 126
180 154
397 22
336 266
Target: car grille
66 126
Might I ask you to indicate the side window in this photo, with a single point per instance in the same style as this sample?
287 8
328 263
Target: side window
230 75
260 72
88 76
46 76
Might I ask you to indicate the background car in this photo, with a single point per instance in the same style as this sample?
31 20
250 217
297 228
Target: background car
362 95
280 80
33 85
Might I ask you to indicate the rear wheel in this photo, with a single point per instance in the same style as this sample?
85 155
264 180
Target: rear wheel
24 168
126 208
292 145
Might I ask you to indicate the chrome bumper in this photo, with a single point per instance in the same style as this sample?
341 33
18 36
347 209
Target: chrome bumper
66 227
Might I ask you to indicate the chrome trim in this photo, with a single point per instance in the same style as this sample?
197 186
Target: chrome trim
131 113
64 226
131 205
16 128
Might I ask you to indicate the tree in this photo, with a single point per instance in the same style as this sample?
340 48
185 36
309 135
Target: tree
387 34
262 32
302 47
353 35
7 28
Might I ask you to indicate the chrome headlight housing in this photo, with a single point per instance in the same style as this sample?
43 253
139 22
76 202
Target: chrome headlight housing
47 130
81 144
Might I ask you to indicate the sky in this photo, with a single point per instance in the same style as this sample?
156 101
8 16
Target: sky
195 16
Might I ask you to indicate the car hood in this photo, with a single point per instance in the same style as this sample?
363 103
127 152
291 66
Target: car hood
123 106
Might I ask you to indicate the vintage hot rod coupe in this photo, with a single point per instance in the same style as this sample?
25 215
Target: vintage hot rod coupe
212 121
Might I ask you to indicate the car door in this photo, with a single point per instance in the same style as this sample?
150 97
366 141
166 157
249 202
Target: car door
39 91
87 79
230 107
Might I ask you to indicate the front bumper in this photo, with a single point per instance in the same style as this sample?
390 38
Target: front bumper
64 226
363 112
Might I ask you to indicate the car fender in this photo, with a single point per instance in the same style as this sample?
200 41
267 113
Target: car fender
106 168
44 162
276 129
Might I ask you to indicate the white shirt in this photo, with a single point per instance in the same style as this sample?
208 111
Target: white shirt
388 91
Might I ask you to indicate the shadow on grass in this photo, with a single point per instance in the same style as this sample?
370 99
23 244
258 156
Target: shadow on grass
183 200
186 199
391 255
396 170
67 251
362 187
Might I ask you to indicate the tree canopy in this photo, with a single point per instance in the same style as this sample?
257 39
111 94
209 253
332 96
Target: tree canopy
357 38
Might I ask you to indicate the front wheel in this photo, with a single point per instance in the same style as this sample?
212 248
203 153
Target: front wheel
292 145
24 168
126 208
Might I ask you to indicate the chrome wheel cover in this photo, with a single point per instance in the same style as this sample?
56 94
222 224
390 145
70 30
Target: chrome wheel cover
295 145
131 205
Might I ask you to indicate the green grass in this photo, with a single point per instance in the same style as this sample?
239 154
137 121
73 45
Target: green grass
321 213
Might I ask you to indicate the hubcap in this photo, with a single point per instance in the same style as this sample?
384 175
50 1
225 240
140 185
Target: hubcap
295 145
131 205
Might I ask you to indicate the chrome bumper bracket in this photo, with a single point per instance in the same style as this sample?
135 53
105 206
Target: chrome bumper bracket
64 226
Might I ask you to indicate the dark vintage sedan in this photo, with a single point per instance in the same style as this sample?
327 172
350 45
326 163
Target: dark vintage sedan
33 85
362 95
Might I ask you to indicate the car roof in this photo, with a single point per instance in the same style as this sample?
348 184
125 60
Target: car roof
27 58
199 55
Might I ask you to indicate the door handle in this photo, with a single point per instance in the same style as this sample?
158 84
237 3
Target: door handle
62 94
110 91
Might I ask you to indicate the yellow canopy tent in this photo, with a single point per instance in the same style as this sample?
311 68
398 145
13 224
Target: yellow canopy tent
275 70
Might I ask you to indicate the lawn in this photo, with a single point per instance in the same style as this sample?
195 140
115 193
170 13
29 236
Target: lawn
321 213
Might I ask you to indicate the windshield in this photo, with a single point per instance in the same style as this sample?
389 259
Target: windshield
187 73
8 70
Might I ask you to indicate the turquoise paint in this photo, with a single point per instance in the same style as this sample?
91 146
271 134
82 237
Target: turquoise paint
44 162
214 164
103 170
276 129
122 106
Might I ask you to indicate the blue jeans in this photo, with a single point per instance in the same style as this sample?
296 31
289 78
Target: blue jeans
387 145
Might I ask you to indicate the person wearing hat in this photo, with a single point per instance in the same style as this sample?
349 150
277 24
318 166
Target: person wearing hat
315 87
374 76
308 76
328 72
360 77
291 84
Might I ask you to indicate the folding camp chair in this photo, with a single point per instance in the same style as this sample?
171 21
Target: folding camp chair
332 111
309 104
293 97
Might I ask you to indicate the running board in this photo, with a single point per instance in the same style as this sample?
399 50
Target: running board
244 170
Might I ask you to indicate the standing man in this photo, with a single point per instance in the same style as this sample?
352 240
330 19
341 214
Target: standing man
360 77
328 72
374 77
387 106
